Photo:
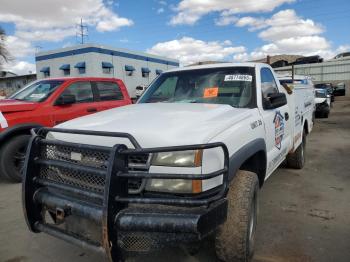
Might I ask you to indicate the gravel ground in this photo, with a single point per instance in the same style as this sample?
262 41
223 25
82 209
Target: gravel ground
304 214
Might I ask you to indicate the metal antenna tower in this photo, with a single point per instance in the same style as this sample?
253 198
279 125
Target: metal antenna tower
82 31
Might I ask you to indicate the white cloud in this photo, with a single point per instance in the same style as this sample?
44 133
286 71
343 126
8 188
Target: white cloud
53 21
44 15
287 33
224 20
18 48
190 11
20 67
254 23
189 50
160 10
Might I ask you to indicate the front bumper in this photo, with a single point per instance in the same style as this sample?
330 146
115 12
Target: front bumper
142 229
322 108
90 205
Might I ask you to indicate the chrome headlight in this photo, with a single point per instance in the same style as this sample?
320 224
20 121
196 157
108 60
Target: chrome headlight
188 158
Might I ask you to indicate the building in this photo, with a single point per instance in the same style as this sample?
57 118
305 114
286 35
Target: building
10 82
332 71
134 68
278 60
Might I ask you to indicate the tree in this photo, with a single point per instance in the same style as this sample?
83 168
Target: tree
4 53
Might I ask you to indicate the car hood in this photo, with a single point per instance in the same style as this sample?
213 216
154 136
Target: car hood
11 105
158 124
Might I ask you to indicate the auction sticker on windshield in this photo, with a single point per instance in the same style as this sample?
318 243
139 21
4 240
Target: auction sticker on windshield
211 92
246 78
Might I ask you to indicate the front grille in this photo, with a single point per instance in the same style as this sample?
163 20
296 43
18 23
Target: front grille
74 178
97 159
89 158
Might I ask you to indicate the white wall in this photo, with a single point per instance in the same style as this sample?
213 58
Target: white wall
93 63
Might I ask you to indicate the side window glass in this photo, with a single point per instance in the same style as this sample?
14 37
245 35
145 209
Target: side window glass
82 92
268 84
109 91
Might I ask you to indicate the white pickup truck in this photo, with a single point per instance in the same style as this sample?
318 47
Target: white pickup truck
184 163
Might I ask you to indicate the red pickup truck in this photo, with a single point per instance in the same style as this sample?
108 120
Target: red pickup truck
49 102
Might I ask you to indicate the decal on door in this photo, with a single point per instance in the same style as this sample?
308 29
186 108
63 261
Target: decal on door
279 129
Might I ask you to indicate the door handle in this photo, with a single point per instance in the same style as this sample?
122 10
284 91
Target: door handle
286 116
91 109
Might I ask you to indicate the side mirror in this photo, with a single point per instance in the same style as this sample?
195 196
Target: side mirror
275 100
288 88
65 99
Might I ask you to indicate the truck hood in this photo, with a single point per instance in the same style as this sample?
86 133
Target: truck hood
11 105
320 100
159 124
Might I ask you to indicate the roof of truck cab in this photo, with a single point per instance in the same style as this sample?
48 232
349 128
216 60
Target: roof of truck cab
218 65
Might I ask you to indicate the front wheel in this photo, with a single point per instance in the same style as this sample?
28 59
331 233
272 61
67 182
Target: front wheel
235 238
12 157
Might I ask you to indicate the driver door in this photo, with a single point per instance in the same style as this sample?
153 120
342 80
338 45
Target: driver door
84 103
276 123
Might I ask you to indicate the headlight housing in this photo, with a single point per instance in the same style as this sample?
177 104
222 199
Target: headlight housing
188 158
185 159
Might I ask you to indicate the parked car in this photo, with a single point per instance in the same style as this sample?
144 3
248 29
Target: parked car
184 163
49 102
139 90
323 103
328 87
339 89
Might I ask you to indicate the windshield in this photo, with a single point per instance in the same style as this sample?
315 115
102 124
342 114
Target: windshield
232 86
38 91
321 93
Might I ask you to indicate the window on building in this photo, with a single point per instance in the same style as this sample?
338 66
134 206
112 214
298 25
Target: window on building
145 71
129 69
81 66
66 69
109 91
107 67
107 70
8 84
45 71
82 92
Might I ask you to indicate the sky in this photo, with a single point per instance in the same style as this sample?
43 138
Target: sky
188 30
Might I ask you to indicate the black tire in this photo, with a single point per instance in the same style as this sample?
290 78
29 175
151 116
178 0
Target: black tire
326 114
296 160
235 238
12 157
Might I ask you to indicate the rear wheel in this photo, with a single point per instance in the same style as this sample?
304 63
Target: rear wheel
297 159
12 157
235 238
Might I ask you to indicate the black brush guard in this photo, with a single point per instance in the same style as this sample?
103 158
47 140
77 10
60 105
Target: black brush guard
93 207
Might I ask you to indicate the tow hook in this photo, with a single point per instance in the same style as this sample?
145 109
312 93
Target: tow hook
61 213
